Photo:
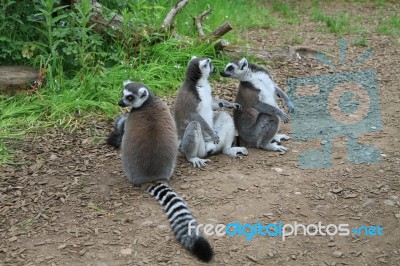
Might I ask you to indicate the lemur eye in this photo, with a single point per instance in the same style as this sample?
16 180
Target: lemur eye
129 98
230 68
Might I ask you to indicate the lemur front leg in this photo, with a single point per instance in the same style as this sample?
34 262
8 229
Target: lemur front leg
193 146
115 138
272 110
219 103
285 98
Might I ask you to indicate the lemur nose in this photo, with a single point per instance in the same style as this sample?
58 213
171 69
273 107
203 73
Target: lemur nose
122 103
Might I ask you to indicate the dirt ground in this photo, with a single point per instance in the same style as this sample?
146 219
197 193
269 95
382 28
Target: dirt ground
73 206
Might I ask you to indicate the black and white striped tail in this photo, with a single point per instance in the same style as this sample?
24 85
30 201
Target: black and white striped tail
179 217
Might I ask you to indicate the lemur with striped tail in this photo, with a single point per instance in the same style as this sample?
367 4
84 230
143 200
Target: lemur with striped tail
149 150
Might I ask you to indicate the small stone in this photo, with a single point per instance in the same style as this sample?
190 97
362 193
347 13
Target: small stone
397 215
389 202
185 186
350 196
277 169
162 227
369 203
126 251
53 157
62 246
12 239
337 254
252 258
147 223
337 190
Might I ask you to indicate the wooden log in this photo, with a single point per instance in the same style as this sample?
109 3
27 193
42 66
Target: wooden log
221 30
17 79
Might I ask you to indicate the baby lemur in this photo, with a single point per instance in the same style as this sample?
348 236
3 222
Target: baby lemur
149 149
258 121
200 130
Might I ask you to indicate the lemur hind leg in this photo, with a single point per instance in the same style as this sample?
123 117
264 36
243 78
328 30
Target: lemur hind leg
271 127
223 124
193 146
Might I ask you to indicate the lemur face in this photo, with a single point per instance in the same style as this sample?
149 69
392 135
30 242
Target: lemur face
206 67
235 69
200 67
135 94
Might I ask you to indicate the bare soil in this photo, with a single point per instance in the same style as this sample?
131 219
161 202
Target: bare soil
73 205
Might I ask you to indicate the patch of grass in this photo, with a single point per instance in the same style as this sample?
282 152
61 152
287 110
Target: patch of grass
297 39
390 26
242 14
360 41
28 222
94 207
338 24
288 12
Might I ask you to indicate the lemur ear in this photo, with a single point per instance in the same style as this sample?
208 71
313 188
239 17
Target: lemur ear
243 63
126 82
143 92
193 57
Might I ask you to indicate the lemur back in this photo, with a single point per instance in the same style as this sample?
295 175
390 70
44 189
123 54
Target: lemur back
149 149
149 143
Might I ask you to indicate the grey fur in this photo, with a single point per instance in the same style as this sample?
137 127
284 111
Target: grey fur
115 138
259 120
149 151
194 116
149 144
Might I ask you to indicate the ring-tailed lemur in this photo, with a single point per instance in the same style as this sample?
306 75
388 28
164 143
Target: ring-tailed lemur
200 130
258 122
115 137
149 150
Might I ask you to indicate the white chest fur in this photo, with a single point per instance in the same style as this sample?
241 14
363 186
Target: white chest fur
205 106
266 86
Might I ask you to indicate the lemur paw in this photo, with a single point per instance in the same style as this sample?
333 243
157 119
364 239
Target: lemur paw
291 107
279 137
197 162
235 151
215 138
237 106
284 117
274 147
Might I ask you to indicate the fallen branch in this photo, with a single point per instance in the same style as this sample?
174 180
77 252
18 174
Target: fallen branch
166 25
199 20
221 30
101 24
